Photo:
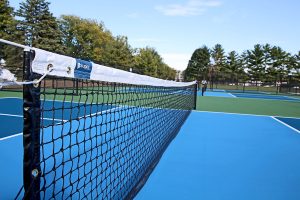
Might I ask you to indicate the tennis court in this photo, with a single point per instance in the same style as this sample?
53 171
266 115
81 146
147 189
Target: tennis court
228 156
259 95
244 157
11 141
86 131
90 135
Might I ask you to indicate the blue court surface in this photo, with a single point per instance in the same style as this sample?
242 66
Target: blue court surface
214 156
265 96
249 95
11 141
219 156
216 94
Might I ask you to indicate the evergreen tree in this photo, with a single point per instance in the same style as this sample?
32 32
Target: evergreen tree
234 67
297 67
8 30
255 63
267 48
218 56
199 64
279 64
39 25
7 21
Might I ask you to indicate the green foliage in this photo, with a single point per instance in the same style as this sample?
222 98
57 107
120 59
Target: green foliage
279 63
39 25
264 63
234 66
7 21
199 64
9 31
71 35
89 40
147 61
219 58
255 62
84 38
296 66
165 72
119 54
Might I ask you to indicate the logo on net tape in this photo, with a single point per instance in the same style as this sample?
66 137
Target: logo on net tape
83 69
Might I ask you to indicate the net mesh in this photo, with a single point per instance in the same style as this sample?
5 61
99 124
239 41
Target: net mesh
101 140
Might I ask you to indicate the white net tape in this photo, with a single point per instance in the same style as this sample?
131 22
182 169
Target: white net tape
65 66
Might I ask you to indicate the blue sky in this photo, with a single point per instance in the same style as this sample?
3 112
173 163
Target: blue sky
175 28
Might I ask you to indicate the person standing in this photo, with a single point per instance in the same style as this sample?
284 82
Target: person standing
203 86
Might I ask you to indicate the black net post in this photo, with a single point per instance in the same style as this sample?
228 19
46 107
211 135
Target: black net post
195 95
31 132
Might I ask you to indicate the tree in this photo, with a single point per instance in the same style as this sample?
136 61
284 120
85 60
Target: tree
234 66
218 55
279 64
119 54
90 40
166 72
39 25
296 71
7 21
198 66
86 39
147 61
8 30
255 62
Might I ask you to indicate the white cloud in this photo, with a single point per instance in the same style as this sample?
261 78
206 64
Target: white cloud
178 61
192 7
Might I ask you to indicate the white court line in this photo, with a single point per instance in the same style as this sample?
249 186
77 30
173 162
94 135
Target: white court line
10 115
18 134
262 99
286 124
21 116
11 136
57 100
232 95
292 98
10 98
228 113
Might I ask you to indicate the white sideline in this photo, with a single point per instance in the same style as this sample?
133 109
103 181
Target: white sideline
285 124
228 113
21 116
232 95
11 136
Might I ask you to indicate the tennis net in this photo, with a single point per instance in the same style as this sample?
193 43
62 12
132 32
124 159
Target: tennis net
100 139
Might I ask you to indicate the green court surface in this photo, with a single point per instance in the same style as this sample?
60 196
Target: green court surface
10 94
249 106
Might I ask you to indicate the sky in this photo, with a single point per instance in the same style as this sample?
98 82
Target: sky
175 28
